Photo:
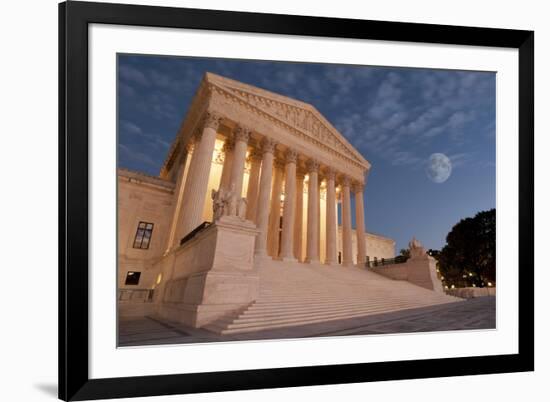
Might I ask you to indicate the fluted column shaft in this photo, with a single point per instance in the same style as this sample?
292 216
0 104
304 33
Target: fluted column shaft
241 137
225 180
262 212
312 251
360 224
253 185
331 219
275 211
347 253
287 236
178 196
298 216
196 184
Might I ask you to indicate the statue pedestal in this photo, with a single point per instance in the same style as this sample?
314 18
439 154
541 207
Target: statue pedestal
213 274
421 270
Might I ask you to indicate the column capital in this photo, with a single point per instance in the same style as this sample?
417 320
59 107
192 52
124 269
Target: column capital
211 120
241 133
278 164
330 173
358 187
268 145
291 156
346 181
255 155
188 148
228 144
312 165
196 137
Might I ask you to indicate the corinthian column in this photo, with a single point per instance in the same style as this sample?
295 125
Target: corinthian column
331 218
241 137
225 180
287 235
312 251
347 257
275 211
360 223
253 185
262 212
178 194
298 216
196 184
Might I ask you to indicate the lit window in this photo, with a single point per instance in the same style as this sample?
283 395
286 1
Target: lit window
143 235
132 278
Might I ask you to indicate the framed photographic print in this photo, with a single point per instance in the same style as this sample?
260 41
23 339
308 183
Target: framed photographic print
258 200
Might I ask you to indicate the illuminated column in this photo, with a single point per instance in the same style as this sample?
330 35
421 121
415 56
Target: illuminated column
347 257
225 179
298 216
312 251
275 211
178 194
196 184
262 212
287 236
331 218
253 185
360 223
241 137
319 184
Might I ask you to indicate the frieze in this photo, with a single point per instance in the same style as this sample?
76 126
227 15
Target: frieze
294 116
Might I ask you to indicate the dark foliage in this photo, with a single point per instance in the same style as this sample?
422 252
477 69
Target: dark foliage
404 254
468 258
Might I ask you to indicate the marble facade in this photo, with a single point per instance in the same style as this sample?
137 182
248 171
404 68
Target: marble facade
294 170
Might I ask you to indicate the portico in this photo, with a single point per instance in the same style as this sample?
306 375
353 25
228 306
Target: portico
292 166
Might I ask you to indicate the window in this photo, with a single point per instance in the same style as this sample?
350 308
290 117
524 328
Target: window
143 235
132 278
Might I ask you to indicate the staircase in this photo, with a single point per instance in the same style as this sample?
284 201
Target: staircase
294 294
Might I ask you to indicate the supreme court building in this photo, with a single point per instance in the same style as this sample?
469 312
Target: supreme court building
251 178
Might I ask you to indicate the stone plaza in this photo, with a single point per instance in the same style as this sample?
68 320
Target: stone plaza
239 233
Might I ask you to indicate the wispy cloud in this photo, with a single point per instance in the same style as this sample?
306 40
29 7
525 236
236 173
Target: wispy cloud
410 112
399 115
133 75
130 154
141 137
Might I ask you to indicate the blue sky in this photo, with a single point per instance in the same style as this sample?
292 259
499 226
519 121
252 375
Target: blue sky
396 118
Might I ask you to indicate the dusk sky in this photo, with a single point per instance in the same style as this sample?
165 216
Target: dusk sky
395 117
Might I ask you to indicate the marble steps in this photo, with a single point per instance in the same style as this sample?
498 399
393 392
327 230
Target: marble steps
222 322
328 301
305 294
290 299
258 315
236 326
274 316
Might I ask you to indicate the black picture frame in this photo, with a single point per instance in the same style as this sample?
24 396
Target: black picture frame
74 19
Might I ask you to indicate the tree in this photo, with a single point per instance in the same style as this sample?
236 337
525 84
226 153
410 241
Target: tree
468 258
434 253
404 255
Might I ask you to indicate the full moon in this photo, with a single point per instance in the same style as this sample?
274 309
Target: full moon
439 168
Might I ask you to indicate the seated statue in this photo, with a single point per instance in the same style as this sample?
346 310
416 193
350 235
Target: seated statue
241 208
226 203
218 203
416 249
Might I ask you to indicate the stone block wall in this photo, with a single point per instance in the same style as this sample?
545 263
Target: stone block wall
420 271
210 276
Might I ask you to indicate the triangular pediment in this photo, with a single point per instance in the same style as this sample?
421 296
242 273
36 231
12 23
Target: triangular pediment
299 115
